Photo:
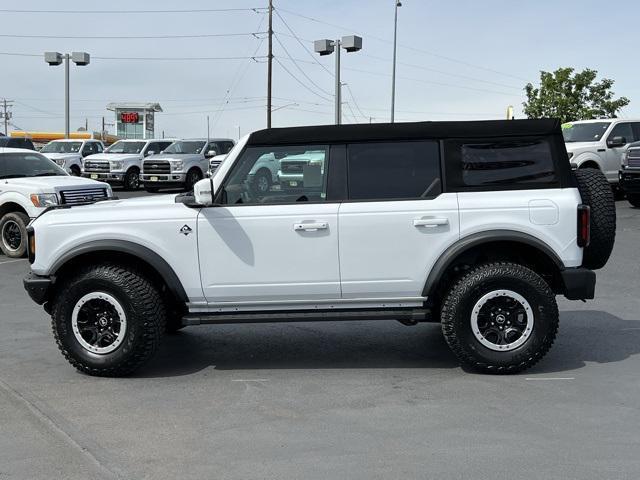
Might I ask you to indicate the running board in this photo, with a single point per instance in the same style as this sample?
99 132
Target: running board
406 316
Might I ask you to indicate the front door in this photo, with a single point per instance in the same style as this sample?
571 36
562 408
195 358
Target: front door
274 247
613 159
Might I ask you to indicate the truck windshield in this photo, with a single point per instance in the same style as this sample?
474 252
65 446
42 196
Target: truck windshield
126 147
62 147
584 132
185 147
19 165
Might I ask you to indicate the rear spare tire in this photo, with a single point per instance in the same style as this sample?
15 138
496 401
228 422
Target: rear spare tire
596 193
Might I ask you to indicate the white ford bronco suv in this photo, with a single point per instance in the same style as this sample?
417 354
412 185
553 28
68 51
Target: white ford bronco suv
182 163
121 163
69 154
476 225
29 184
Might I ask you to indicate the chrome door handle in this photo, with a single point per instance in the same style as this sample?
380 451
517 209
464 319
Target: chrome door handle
430 222
310 227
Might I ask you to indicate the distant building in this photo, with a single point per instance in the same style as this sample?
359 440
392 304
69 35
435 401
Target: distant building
135 120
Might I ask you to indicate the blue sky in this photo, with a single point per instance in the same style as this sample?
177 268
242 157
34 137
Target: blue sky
458 59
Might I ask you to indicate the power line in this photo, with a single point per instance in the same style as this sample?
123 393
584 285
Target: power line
277 59
118 12
354 101
133 37
300 68
152 59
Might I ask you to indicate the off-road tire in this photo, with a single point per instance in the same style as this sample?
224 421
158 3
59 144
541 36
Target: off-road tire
75 171
457 310
21 220
142 304
131 180
596 192
634 199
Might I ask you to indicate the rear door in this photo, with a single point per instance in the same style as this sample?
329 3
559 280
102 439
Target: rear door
396 221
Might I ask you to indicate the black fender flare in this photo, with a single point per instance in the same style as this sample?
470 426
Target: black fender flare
464 244
145 254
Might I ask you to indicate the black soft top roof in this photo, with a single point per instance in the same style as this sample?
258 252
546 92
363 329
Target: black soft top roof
404 131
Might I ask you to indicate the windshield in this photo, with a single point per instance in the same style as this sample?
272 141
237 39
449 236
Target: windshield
62 147
126 147
584 132
185 147
19 165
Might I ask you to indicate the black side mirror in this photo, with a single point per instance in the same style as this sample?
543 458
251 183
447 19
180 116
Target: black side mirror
616 142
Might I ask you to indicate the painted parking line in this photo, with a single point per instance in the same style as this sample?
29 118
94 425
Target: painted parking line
541 379
14 261
249 380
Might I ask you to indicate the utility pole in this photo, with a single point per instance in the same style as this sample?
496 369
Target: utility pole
208 129
393 75
270 64
102 131
6 114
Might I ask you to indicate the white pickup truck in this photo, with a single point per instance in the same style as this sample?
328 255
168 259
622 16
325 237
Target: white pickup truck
121 163
69 154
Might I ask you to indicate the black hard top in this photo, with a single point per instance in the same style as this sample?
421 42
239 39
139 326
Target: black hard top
404 131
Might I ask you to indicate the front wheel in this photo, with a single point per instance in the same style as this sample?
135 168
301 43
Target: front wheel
107 319
13 234
634 199
500 318
193 176
131 180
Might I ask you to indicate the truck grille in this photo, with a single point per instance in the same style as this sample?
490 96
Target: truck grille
93 166
81 197
156 166
292 167
633 159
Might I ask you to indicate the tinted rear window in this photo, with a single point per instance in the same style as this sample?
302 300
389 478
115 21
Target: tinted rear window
398 170
500 163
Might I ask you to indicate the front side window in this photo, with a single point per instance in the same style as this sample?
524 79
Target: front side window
269 175
19 165
501 162
623 130
126 147
397 170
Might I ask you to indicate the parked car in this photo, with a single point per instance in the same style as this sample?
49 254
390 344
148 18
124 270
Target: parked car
121 163
221 149
69 154
16 142
600 144
29 184
296 168
181 164
630 174
433 221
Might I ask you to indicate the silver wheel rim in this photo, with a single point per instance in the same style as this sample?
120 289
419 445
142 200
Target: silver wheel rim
99 323
263 183
9 231
502 320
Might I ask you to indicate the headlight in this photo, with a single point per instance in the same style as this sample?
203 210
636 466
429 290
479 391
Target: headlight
570 155
44 199
625 159
176 165
116 164
109 191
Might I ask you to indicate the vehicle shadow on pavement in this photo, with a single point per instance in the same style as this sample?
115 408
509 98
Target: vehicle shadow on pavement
584 336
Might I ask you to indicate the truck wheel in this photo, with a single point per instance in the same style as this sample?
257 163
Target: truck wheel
634 199
193 176
500 318
75 171
262 181
13 234
131 180
107 320
596 192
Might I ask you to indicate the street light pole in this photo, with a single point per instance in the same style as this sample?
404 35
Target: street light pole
66 97
338 91
393 76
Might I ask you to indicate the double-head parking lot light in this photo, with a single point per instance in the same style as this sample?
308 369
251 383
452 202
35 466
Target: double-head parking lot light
55 59
351 43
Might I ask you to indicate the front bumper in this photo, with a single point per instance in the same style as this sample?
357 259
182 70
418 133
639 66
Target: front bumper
579 283
105 177
151 178
630 180
38 287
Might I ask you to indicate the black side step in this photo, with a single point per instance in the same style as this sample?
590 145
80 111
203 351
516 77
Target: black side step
407 316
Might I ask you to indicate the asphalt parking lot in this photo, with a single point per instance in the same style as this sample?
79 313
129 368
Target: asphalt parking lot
330 400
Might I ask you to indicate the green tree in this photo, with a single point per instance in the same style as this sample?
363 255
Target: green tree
570 96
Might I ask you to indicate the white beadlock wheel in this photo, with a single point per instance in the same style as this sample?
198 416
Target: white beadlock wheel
502 320
99 323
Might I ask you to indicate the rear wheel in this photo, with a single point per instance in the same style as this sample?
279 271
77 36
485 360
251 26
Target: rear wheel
131 180
107 320
634 199
500 318
13 234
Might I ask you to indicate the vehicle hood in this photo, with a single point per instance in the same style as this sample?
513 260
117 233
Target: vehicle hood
176 156
59 156
112 156
582 146
53 184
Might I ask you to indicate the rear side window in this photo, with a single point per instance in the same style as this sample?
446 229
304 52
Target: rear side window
398 170
506 163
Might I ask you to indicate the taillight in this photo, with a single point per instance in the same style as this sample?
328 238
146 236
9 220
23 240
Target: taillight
584 225
31 244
